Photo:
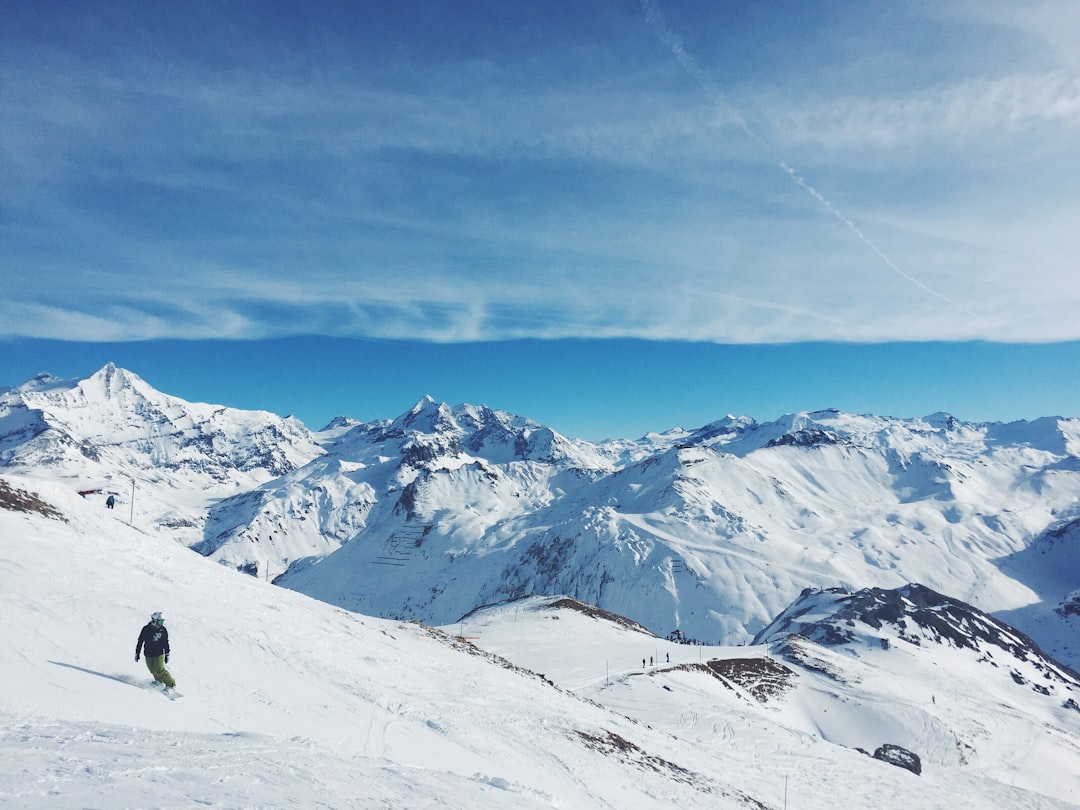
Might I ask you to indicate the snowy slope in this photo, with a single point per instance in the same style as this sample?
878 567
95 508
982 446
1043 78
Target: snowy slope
286 700
985 711
291 702
113 433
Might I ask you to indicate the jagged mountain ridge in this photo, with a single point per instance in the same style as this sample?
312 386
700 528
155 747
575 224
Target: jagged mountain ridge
918 616
112 430
712 531
114 411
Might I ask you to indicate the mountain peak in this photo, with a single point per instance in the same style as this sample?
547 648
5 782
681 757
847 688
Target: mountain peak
426 416
112 424
914 614
425 402
113 382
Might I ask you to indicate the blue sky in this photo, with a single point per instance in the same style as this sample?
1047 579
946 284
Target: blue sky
771 185
585 388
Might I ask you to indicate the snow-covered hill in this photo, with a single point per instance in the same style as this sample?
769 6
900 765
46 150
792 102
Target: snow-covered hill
165 459
291 702
967 701
711 531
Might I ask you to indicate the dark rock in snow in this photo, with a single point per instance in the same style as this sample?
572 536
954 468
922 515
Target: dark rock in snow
900 757
1069 607
811 437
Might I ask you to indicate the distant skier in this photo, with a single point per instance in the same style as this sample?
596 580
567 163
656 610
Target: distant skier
154 641
110 502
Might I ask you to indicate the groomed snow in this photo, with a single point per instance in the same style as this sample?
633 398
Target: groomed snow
289 702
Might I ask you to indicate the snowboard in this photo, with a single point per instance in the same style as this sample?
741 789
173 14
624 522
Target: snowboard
171 694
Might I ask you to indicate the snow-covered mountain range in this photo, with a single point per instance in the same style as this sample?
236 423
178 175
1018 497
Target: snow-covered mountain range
113 433
710 532
899 555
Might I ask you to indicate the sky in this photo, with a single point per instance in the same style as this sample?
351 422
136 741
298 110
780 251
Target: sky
772 180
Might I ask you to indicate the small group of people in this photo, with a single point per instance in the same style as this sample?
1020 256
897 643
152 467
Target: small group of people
651 660
153 643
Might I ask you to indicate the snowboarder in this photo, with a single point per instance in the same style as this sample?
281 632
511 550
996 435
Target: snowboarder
154 641
110 502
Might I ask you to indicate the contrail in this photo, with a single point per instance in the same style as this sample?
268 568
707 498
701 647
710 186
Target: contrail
659 26
851 226
674 44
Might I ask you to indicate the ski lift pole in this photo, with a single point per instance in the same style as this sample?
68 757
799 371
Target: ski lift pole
132 519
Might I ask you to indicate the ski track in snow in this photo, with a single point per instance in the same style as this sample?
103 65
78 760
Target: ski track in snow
290 702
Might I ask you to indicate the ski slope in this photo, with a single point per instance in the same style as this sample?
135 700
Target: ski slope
289 702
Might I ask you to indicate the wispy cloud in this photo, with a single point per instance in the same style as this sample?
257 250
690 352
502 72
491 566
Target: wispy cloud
412 194
951 118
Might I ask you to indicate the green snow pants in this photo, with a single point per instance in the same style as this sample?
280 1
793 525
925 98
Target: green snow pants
156 665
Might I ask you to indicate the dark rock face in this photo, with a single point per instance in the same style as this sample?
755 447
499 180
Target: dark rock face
422 449
812 437
763 678
1070 607
900 757
798 649
915 614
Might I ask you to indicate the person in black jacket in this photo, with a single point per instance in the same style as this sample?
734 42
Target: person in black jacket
154 642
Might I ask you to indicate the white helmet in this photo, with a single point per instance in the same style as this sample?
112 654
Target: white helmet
156 616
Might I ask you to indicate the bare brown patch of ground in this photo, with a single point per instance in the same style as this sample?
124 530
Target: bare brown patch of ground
761 678
19 500
612 744
597 613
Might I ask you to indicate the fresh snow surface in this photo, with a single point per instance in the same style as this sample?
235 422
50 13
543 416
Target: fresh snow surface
291 702
959 713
